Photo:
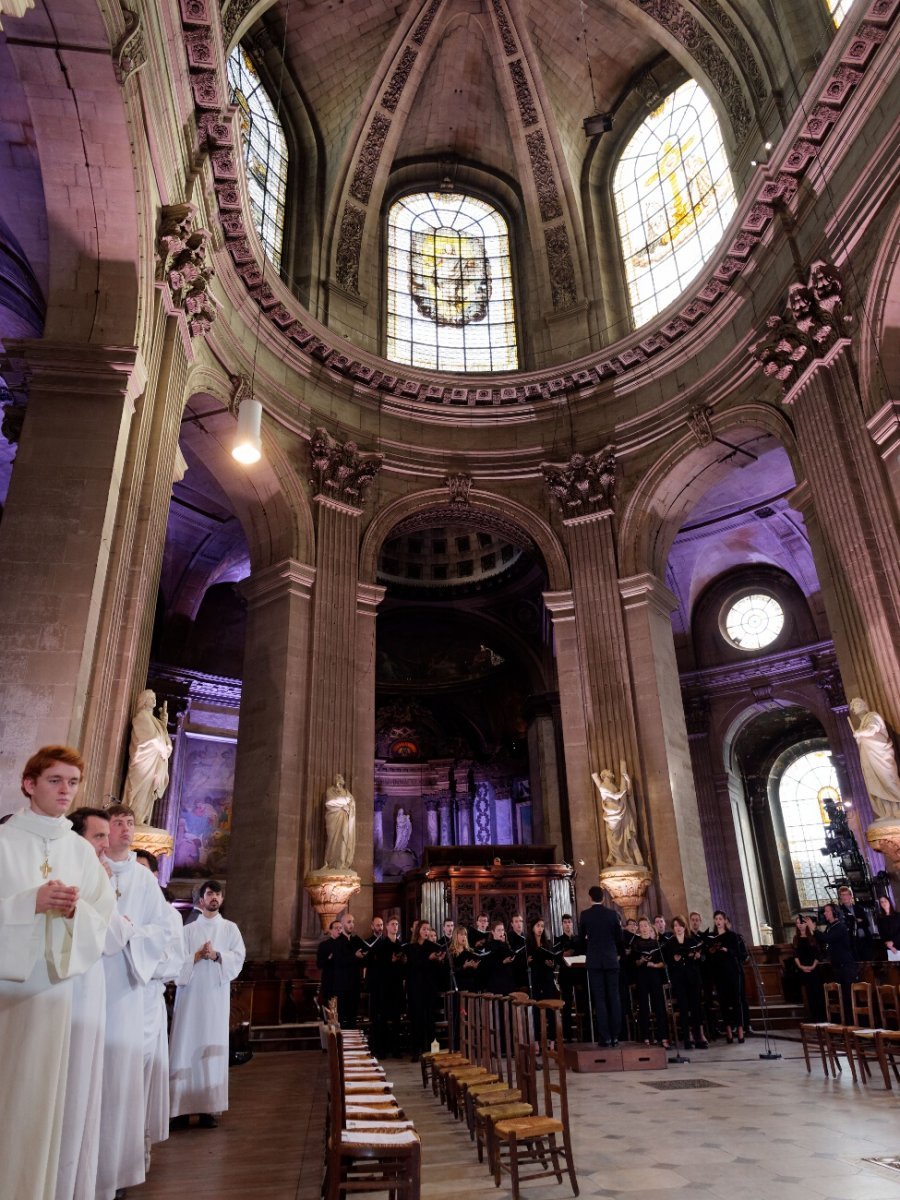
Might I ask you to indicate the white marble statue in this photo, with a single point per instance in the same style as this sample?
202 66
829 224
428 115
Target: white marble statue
340 827
402 830
148 758
877 758
618 813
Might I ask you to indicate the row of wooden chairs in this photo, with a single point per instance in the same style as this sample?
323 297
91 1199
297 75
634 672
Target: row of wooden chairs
518 1122
861 1041
370 1146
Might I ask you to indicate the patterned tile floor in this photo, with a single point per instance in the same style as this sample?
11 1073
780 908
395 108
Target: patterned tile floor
768 1131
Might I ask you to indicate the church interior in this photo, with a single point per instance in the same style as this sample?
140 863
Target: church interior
463 399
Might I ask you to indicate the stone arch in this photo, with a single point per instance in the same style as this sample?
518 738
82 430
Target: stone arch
659 504
488 502
879 349
80 119
268 498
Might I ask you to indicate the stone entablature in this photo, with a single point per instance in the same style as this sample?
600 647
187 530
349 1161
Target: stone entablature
813 127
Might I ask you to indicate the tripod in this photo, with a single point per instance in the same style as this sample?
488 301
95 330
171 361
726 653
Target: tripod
678 1058
770 1054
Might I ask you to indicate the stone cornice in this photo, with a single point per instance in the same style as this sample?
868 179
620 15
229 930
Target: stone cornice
560 605
814 124
789 665
288 577
647 589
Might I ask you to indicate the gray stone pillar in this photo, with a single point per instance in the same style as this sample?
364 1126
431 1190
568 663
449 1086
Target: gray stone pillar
544 773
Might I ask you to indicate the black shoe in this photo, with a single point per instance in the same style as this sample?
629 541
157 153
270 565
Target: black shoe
179 1123
208 1121
614 1043
701 1045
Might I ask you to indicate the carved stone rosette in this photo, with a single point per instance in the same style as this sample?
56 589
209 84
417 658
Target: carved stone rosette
340 472
627 886
884 837
585 484
812 321
329 892
156 841
185 267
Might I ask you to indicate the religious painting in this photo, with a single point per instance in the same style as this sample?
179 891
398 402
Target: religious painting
449 276
423 654
204 811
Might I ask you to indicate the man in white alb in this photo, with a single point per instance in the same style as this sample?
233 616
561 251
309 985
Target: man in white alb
156 1027
55 906
80 1145
122 1121
198 1053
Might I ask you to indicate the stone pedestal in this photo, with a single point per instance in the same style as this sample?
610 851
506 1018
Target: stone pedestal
155 841
884 837
627 886
330 891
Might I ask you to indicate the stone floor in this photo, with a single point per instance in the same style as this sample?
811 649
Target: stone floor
765 1131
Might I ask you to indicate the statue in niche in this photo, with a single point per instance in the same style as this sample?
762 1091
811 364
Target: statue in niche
340 827
877 758
148 757
618 813
402 829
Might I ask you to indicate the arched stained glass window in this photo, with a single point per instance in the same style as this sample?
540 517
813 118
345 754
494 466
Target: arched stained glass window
839 10
674 196
265 152
449 285
802 792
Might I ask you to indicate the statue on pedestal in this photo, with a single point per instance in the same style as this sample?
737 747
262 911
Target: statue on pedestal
403 829
618 813
148 758
340 827
877 758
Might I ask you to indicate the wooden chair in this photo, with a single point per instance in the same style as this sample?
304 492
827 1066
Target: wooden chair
370 1156
542 1136
887 1048
862 1006
834 1004
889 1005
478 1068
431 1060
812 1033
520 1101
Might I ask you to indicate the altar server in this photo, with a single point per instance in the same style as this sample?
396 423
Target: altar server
55 906
122 1157
198 1054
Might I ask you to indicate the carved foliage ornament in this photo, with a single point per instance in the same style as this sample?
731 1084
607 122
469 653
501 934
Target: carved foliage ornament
812 321
459 486
559 261
364 175
349 248
129 53
185 266
700 422
583 485
340 472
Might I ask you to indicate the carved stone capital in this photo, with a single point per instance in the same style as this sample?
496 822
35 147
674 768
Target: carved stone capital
884 837
185 266
833 686
340 472
627 886
330 892
458 486
241 389
130 53
699 419
813 320
585 484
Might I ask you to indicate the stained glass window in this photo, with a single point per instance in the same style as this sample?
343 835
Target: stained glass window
839 10
674 196
754 621
449 285
802 791
265 152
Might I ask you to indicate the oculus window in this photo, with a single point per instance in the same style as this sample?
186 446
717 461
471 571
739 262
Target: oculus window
265 152
673 197
804 787
753 621
449 285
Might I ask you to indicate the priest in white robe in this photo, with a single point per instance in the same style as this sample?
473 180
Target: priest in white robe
198 1054
80 1146
55 906
156 1027
122 1122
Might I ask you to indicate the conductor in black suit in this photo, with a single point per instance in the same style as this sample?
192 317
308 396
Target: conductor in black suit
602 934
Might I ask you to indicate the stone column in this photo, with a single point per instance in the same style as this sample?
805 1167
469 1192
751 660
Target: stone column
464 816
378 836
716 827
55 539
368 597
270 819
808 349
680 858
432 834
544 773
446 819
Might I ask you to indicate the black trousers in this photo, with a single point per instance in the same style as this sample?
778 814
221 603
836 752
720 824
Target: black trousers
604 984
689 998
650 981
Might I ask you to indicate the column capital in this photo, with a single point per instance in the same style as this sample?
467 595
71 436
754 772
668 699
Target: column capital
368 597
584 486
287 577
560 605
341 474
647 589
811 324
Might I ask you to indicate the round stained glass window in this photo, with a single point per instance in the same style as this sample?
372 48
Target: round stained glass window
753 621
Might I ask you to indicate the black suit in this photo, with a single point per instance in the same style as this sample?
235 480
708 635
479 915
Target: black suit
602 934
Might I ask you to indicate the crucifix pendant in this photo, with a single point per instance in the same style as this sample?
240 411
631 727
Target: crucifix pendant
46 869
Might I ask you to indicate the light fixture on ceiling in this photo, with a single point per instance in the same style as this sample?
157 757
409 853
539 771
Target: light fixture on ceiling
247 448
